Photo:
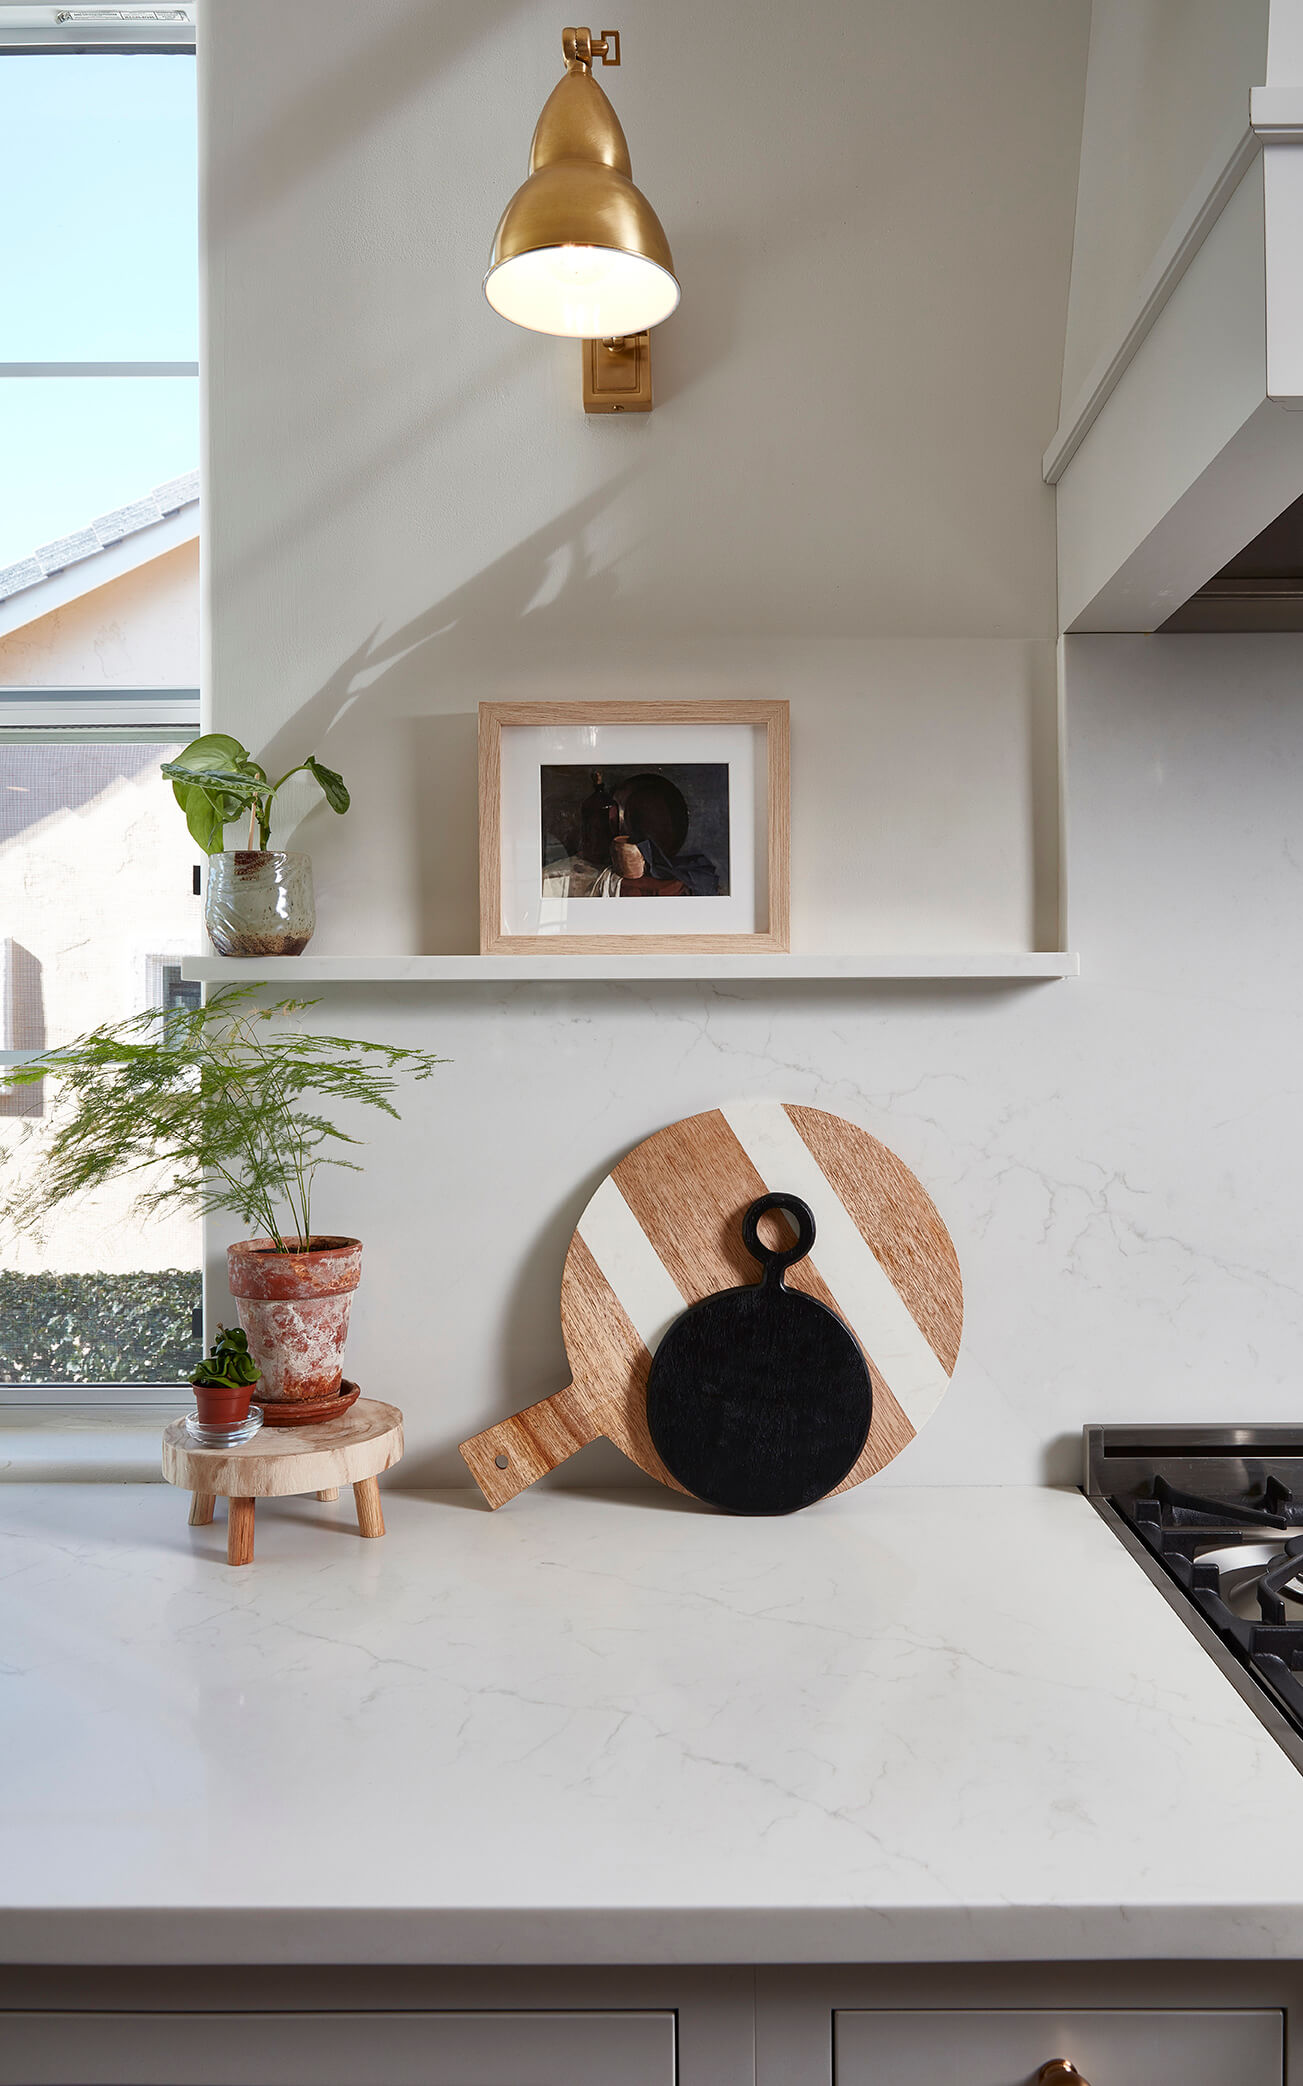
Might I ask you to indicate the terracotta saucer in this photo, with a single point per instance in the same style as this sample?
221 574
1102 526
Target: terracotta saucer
302 1412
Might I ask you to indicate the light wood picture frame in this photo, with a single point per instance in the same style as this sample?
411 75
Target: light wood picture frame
510 820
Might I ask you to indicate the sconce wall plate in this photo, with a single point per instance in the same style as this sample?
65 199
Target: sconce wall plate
579 251
617 375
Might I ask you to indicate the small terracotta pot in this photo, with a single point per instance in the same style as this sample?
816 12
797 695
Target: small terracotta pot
222 1407
294 1307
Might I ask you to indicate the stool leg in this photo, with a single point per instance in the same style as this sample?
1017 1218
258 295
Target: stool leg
370 1519
331 1492
201 1509
239 1532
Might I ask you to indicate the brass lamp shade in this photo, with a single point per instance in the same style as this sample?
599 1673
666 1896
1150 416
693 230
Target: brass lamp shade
579 250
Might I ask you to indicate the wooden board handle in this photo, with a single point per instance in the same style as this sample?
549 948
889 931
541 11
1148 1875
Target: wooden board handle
506 1459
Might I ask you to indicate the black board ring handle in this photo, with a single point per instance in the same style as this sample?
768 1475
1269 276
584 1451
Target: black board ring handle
774 1263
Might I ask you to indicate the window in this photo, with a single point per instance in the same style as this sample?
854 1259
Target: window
98 641
97 896
99 388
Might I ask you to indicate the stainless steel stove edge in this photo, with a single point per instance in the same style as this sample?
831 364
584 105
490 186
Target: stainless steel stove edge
1244 1683
1121 1459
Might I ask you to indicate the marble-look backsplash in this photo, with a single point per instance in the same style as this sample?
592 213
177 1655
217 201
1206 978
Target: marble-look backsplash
1119 1159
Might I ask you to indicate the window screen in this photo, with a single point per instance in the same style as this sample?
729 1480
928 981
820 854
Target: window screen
97 905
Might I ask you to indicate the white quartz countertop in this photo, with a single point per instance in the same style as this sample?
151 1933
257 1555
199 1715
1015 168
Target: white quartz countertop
612 1728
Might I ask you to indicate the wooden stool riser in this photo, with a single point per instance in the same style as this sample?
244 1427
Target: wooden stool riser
240 1518
239 1531
352 1450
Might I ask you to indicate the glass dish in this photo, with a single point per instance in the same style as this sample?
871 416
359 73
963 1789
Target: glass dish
223 1437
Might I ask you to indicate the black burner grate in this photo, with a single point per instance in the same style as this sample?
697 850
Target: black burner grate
1181 1527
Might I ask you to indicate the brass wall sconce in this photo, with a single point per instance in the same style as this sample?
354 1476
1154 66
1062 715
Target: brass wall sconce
579 251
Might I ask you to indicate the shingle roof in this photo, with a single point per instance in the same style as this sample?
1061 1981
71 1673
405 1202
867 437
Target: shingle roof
106 530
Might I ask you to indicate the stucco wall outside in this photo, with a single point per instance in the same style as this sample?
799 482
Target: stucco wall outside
92 893
95 881
139 631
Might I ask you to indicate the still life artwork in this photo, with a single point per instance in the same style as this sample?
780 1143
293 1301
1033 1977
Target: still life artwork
630 832
682 806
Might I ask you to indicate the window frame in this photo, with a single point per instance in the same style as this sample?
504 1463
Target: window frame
37 715
37 37
34 25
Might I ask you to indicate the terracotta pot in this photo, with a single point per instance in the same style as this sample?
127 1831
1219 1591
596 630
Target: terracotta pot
219 1406
294 1307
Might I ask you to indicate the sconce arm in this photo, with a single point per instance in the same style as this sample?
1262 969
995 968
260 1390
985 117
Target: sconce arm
580 47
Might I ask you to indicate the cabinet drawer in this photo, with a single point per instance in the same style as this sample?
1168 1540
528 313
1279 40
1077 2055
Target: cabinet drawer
345 2049
1108 2049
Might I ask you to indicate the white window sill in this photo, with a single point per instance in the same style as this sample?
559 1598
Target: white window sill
83 1444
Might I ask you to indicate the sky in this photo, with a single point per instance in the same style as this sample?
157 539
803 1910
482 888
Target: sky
98 262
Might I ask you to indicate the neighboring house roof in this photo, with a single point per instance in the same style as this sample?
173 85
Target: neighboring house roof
112 544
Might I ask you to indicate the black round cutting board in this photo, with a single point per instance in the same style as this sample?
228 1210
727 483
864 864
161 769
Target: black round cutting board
759 1400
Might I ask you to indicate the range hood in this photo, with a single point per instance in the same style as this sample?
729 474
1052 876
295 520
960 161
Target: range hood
1179 468
1260 589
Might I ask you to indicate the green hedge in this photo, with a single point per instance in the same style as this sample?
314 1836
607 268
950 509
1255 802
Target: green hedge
98 1328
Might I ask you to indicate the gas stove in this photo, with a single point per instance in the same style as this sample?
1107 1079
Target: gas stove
1215 1516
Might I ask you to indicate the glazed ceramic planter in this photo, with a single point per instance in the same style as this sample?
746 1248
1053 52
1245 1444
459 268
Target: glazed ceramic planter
259 902
294 1308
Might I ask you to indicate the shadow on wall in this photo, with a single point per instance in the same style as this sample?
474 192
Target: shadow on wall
1061 1462
334 112
399 714
337 487
48 782
527 1366
706 333
527 1359
1044 728
22 1021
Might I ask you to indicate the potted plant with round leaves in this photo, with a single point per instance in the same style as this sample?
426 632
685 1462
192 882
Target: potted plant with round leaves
224 1107
259 899
223 1381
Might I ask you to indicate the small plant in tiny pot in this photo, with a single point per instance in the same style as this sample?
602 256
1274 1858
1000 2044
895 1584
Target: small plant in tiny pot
259 899
224 1380
223 1108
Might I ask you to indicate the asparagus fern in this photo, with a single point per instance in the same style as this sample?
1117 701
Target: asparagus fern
218 1107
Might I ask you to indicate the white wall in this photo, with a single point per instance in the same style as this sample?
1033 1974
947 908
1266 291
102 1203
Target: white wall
410 513
1119 1158
839 498
1167 90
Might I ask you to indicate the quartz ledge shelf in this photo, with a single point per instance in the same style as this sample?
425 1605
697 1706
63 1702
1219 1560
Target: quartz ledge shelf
1018 966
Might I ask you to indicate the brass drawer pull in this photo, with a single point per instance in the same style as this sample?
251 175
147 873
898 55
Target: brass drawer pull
1060 2071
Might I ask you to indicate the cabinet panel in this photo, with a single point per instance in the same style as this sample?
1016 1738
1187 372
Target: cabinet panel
1108 2049
380 2049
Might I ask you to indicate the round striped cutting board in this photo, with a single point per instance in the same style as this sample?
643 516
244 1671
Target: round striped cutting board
665 1229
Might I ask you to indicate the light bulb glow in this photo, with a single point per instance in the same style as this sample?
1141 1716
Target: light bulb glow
583 292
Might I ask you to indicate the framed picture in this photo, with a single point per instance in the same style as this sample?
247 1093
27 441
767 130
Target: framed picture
633 827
